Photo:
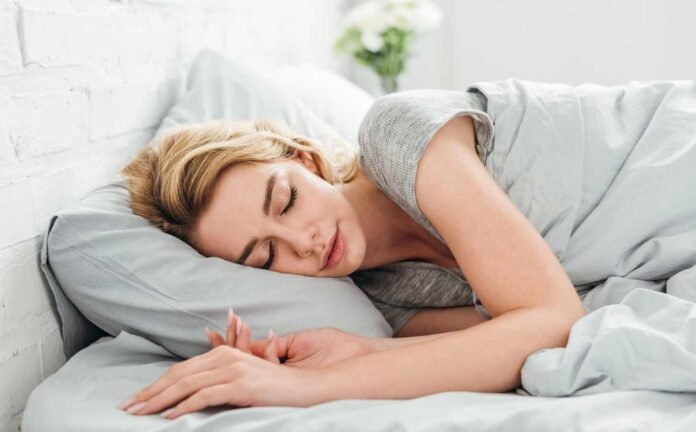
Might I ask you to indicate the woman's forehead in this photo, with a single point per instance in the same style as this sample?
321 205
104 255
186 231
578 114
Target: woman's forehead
239 188
243 193
234 211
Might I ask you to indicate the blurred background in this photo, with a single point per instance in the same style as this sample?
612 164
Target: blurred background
605 42
85 83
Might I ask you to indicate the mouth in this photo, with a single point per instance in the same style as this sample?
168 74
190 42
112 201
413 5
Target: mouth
329 249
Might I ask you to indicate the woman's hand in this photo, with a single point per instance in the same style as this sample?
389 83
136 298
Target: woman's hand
241 372
225 375
239 336
228 374
310 349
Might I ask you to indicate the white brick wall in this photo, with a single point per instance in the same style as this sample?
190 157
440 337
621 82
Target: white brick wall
70 72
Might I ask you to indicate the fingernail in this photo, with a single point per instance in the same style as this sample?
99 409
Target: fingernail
135 408
239 326
270 333
230 316
167 413
126 403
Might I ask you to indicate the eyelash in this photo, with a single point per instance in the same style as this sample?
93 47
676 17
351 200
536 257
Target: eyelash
293 197
271 255
271 251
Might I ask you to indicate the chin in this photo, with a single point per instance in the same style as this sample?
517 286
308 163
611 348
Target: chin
347 266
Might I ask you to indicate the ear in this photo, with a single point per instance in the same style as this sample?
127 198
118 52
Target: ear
305 158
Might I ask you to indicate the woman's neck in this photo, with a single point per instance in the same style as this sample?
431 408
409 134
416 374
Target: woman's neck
391 234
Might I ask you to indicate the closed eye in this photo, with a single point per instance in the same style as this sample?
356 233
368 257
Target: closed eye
293 197
271 255
271 250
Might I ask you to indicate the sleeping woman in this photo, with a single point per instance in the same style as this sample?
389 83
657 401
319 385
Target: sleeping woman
474 247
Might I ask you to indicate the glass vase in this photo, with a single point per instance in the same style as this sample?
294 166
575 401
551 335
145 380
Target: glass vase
389 83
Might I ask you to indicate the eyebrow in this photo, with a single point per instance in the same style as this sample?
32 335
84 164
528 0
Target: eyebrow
266 206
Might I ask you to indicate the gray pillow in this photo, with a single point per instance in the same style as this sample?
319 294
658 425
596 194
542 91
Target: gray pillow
110 270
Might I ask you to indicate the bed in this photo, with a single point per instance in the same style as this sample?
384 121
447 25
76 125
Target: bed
630 363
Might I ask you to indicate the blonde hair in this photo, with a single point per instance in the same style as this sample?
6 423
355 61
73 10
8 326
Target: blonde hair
171 181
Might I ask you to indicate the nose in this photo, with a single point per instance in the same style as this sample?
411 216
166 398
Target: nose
304 241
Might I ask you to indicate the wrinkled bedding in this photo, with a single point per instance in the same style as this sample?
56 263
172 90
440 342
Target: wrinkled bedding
607 175
82 397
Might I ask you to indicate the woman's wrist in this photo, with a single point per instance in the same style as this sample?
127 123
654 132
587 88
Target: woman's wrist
371 343
377 344
319 386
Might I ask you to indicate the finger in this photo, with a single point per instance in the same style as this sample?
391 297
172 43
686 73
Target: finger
271 352
231 337
258 347
207 334
217 339
180 390
210 396
244 339
175 372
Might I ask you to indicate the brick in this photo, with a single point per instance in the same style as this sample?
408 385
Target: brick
121 109
145 37
7 155
17 218
53 192
101 168
19 373
10 54
24 295
44 123
52 38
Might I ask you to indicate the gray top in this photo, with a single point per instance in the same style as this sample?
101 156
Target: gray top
392 137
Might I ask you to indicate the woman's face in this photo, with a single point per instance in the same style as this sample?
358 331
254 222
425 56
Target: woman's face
241 226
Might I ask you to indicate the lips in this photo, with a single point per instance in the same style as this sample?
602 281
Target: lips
329 248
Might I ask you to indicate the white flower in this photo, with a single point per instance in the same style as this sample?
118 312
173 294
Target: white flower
373 17
402 18
378 15
372 41
429 16
416 15
370 17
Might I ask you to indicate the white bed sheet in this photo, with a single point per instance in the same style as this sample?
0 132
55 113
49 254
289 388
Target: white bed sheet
83 396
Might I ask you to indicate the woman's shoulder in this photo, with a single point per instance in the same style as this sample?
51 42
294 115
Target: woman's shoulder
398 127
413 114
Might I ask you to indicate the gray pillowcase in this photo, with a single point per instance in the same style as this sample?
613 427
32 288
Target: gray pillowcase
111 270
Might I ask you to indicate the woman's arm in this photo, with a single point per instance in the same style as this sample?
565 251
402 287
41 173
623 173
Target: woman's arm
429 321
506 261
427 325
485 358
509 266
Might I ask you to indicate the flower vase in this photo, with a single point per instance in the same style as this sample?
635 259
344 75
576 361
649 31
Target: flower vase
388 83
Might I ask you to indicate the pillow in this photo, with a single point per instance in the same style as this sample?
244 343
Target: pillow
111 270
340 102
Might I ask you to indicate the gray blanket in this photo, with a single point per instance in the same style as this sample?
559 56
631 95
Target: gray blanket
608 177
